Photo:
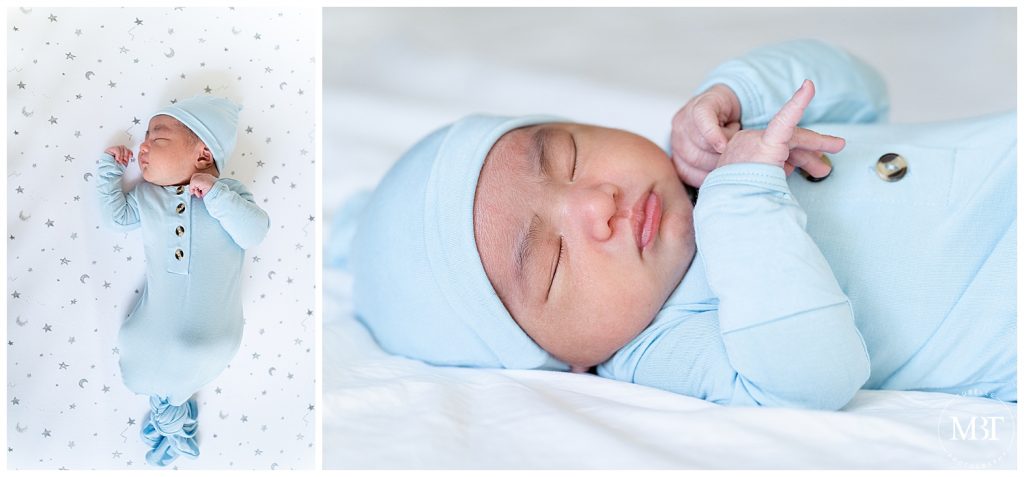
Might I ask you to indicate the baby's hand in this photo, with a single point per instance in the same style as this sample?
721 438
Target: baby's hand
781 139
121 154
200 184
700 131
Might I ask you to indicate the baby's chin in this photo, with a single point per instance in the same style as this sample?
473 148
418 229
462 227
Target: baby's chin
150 177
159 181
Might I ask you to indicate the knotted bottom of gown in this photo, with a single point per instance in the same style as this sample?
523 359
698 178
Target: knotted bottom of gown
170 431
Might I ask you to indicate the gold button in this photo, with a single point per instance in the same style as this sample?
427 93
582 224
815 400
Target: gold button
178 254
891 167
179 231
180 208
179 190
811 178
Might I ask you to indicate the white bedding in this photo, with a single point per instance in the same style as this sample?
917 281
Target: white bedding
382 411
76 80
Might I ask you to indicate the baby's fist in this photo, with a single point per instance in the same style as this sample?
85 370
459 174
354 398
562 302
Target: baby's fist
201 184
121 154
701 130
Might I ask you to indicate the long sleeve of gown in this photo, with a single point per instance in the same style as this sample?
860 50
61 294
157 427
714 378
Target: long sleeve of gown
120 209
848 90
782 333
233 206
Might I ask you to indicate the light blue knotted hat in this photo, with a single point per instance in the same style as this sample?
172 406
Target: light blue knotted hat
213 119
419 284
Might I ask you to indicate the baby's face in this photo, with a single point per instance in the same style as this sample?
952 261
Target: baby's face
584 232
168 154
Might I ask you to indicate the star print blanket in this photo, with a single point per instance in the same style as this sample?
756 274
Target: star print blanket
79 81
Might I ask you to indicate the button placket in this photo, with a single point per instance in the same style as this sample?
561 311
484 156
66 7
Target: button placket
180 230
179 249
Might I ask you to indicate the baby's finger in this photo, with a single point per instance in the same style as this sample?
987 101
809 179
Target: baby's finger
780 128
706 121
788 168
810 161
693 155
814 141
730 129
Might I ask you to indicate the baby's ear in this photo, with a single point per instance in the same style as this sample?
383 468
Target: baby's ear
205 159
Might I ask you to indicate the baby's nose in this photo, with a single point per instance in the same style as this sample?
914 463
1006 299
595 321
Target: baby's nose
593 209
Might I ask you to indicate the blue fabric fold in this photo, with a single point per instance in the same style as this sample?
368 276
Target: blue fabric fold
170 431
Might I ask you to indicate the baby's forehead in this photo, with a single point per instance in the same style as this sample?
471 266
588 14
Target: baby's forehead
515 145
163 122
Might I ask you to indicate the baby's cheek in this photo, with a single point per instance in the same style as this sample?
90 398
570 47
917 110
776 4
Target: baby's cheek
677 225
619 328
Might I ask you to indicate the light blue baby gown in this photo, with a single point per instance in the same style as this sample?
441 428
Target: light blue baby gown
803 292
187 325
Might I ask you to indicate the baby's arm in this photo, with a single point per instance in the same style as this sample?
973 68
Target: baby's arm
120 208
229 202
787 326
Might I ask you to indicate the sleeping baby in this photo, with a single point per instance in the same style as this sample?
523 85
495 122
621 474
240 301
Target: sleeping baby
534 243
187 325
